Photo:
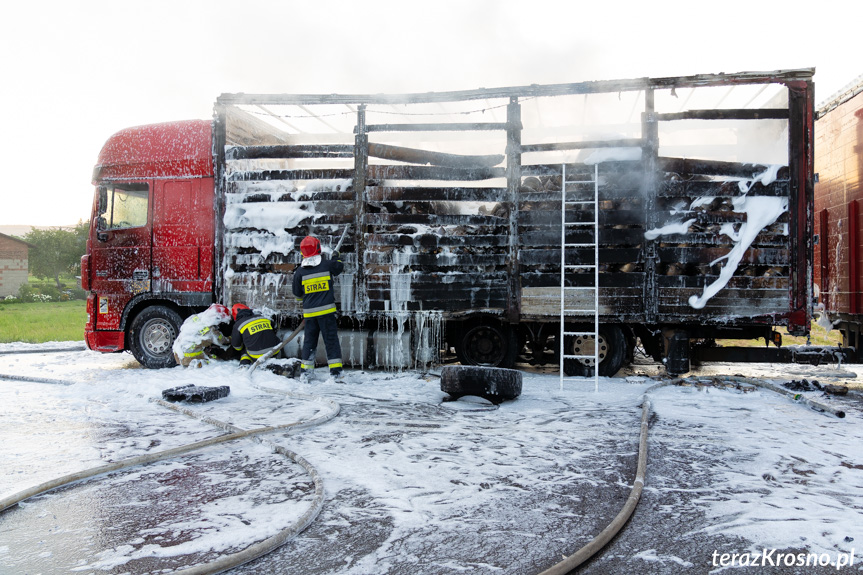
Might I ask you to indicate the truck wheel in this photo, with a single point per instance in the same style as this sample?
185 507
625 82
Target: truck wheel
494 384
487 343
152 334
612 351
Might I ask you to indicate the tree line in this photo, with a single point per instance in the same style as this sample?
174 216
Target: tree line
57 251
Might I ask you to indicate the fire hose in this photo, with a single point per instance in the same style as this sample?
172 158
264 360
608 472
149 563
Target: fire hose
613 528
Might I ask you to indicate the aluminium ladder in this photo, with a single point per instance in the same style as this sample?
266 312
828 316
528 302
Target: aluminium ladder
585 298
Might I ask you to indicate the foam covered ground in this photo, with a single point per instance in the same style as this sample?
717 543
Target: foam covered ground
414 484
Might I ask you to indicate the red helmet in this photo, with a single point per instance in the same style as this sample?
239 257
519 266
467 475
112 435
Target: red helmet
237 307
221 310
310 246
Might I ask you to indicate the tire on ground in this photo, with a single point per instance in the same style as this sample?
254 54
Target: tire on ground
493 383
613 348
152 334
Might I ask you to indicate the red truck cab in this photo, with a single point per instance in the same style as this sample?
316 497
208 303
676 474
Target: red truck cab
150 254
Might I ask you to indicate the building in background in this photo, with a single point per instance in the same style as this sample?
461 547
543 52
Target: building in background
13 264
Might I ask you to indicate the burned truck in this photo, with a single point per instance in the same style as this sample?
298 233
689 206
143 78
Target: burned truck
557 223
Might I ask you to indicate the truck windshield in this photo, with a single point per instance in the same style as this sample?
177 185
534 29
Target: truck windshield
123 206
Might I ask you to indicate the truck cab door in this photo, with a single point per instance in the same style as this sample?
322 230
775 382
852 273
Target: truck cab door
121 249
183 235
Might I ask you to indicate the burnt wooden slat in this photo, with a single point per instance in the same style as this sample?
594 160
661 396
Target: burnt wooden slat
708 239
464 303
298 151
377 172
550 147
434 241
251 196
574 171
736 282
696 189
727 114
442 281
606 217
578 256
462 261
609 283
761 256
434 220
438 127
715 168
269 175
459 194
417 156
527 198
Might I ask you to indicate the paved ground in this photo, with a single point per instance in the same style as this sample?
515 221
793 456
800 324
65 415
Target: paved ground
414 485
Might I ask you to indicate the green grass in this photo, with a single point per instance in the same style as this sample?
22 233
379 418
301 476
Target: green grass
817 336
41 322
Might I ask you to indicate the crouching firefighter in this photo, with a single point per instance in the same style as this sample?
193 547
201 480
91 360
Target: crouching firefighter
253 335
200 337
313 285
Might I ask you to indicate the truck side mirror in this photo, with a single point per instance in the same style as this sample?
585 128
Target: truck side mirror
101 223
103 200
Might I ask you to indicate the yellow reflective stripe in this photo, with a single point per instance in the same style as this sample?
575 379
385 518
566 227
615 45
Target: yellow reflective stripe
256 326
193 353
335 365
320 311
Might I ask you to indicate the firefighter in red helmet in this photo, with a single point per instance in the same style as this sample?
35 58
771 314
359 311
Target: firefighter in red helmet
253 335
313 286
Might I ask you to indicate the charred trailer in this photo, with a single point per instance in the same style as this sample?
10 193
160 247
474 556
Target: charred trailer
500 224
838 217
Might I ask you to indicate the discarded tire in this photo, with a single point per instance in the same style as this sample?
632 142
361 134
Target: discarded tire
493 383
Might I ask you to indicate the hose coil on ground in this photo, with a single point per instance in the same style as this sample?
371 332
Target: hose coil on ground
249 553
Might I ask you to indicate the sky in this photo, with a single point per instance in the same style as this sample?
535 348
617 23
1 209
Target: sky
75 72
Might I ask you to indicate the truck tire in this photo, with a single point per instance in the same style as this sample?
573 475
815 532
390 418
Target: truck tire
493 383
487 343
151 335
612 353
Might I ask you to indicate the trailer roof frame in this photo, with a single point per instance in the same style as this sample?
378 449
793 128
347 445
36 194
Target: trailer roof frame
532 90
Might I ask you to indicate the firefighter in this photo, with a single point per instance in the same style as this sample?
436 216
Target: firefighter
253 335
313 286
200 339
